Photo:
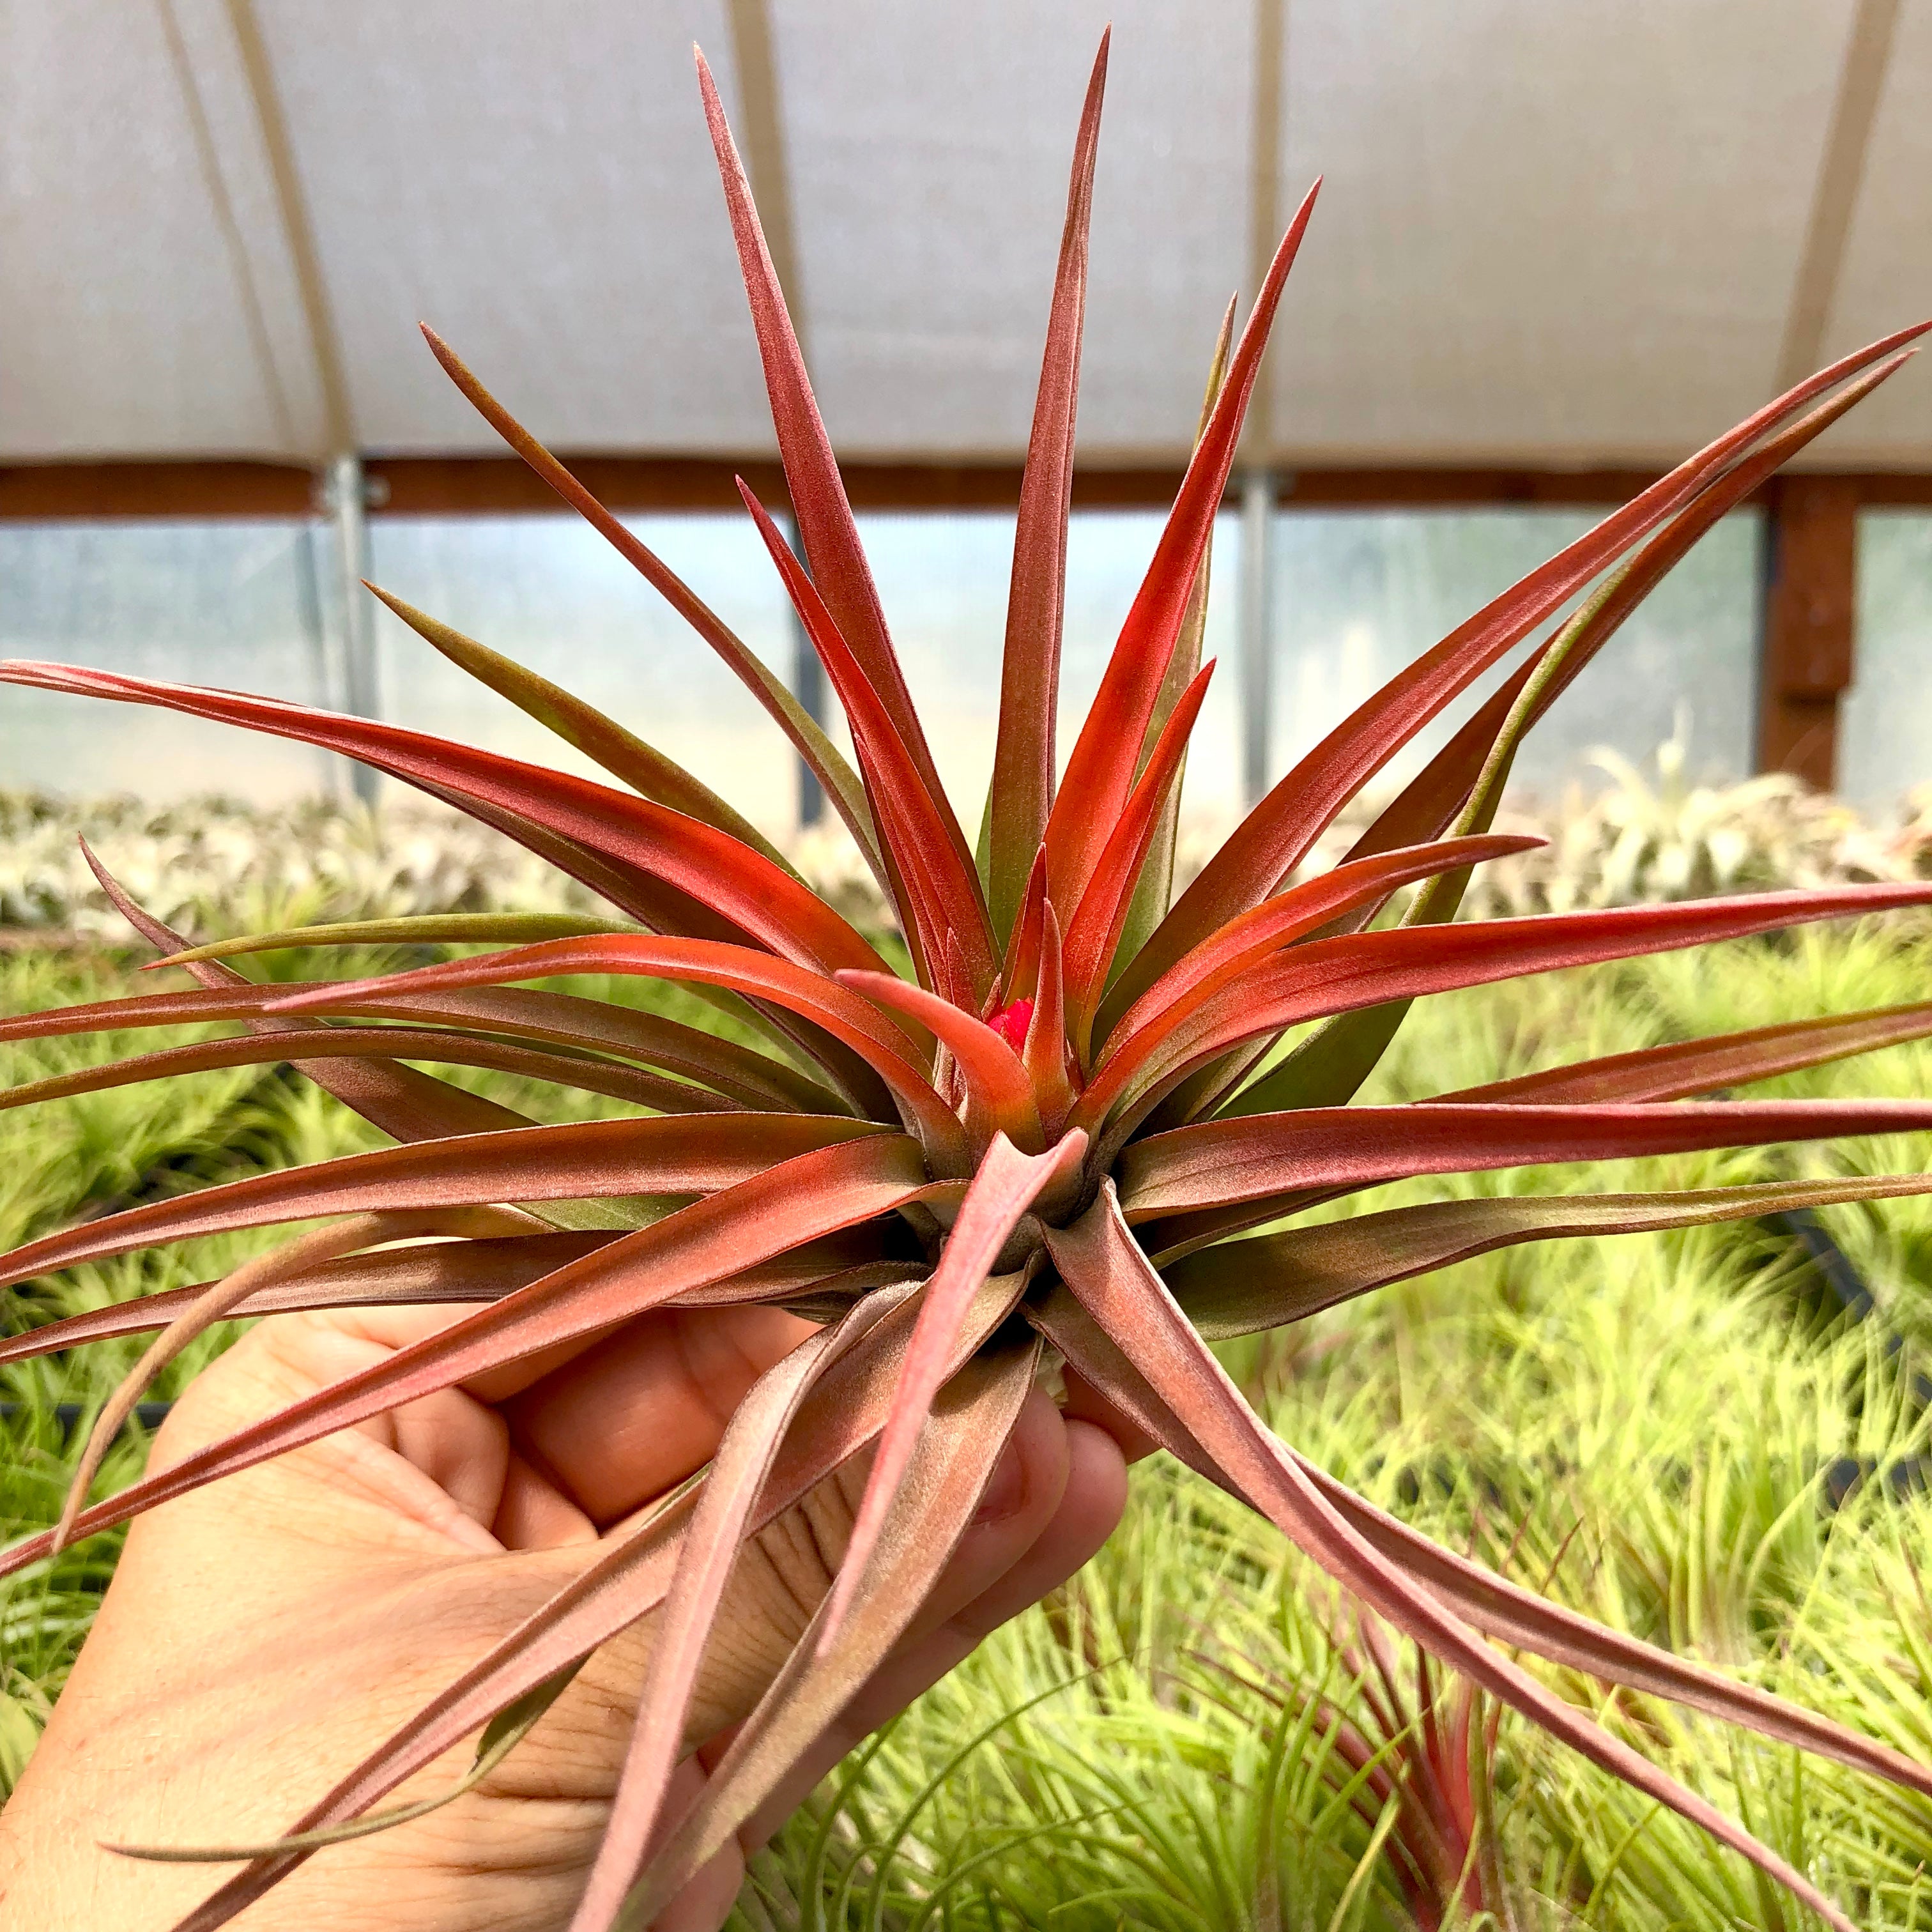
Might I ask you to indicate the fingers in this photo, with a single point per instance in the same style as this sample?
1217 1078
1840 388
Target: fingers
622 1423
1085 1402
987 1586
567 1453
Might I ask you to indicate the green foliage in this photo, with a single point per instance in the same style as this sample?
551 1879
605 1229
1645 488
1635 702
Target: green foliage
1093 1763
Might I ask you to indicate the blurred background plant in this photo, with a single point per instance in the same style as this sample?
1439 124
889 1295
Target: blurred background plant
1188 1739
215 865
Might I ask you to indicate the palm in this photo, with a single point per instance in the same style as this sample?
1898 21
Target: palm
396 1555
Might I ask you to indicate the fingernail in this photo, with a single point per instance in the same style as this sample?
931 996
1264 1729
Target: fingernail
1005 1491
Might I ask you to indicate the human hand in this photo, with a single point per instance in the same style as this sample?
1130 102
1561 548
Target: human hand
261 1635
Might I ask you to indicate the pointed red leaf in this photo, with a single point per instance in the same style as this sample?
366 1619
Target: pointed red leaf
757 896
1022 793
1279 831
825 524
840 782
1338 975
953 1461
1045 1053
1215 1162
1268 1280
1303 909
722 1234
1108 1274
853 1022
581 1071
1007 1184
999 1096
676 1155
1100 771
1681 1068
915 822
1500 1609
626 1579
738 1471
1094 935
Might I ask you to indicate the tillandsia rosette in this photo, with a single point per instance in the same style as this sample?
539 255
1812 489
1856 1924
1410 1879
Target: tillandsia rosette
1052 1140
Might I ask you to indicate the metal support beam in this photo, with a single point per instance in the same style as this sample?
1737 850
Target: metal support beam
1255 632
1807 638
346 495
808 686
1834 197
762 131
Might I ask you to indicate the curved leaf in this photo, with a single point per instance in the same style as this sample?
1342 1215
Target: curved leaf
1240 1287
840 781
1279 831
454 1049
677 1155
825 524
625 1579
1215 1162
1101 768
853 1022
1021 794
1337 975
1007 1184
1108 1275
624 756
746 890
937 889
999 1096
723 1234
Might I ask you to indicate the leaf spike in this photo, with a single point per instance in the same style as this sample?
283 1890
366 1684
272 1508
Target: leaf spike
738 1470
1045 1051
1154 891
825 522
624 756
1023 760
1107 1272
1274 838
1022 960
944 897
807 737
1007 1184
1095 934
1101 768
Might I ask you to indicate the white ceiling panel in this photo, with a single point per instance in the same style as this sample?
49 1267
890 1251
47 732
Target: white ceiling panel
1885 282
147 306
1553 232
929 150
534 181
1550 231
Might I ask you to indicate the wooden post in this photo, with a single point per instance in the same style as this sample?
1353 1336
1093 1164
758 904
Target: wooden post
1809 611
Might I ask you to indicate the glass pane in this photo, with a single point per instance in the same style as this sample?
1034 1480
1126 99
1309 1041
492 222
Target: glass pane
232 603
549 592
1357 596
1885 728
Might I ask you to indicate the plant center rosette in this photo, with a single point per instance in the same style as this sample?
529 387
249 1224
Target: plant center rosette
1080 1123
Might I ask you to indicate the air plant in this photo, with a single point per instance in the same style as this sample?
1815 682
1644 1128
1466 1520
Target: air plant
1052 1140
1423 1780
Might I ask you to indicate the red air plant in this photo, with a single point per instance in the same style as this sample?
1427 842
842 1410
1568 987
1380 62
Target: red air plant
1048 1141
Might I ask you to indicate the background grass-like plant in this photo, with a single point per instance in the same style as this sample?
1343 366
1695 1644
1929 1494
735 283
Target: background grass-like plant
1641 1425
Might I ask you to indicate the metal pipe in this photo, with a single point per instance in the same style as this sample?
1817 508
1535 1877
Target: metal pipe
347 494
808 686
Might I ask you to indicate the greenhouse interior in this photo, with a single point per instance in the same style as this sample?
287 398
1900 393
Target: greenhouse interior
1008 1201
